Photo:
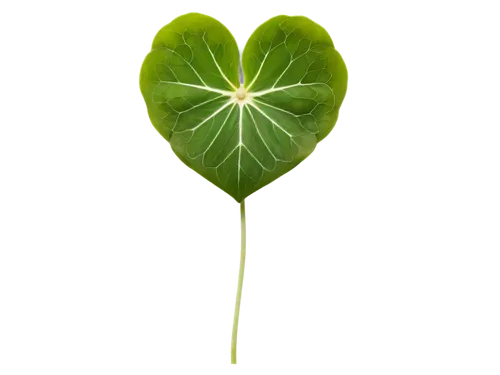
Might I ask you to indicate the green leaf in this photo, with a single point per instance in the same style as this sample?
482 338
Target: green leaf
243 137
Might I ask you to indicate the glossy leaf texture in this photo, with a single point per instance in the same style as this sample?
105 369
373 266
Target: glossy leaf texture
294 84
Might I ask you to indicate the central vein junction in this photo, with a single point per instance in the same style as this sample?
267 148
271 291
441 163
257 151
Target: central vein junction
241 96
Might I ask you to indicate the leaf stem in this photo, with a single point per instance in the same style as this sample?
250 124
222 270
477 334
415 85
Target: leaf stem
239 293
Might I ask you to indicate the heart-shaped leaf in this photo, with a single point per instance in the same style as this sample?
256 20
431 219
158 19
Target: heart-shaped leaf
242 137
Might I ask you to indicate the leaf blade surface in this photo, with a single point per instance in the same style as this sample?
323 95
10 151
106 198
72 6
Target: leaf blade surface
295 81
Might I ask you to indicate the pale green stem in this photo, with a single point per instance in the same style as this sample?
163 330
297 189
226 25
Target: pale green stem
239 293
